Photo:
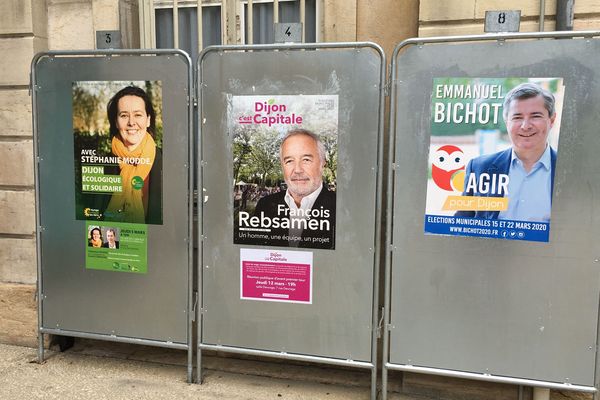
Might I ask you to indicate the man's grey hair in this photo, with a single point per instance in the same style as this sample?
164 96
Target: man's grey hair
527 91
305 132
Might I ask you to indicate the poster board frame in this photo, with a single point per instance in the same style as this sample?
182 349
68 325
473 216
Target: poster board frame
393 265
103 60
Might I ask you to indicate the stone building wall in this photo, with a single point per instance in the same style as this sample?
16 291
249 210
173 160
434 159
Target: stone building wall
466 17
31 26
26 28
23 32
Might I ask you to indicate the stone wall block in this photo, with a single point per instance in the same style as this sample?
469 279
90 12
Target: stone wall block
16 163
129 24
16 17
586 7
18 317
15 113
39 16
106 15
375 19
339 19
15 65
586 24
70 24
476 29
17 260
528 8
449 10
17 212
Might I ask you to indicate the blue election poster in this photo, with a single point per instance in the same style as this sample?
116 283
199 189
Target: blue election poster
492 157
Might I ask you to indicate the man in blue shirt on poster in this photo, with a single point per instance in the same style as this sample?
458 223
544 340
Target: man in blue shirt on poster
529 113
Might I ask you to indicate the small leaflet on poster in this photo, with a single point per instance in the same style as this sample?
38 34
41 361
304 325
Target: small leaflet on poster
276 275
117 247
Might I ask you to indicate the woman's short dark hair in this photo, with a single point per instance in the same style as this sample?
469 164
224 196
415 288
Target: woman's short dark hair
92 233
112 108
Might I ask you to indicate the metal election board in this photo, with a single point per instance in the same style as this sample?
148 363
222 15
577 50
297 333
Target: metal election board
493 309
154 307
338 326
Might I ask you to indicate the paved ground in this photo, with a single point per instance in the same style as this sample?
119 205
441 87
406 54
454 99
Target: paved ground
97 370
107 370
77 374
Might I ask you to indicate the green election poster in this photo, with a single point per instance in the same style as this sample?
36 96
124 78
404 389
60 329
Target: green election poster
118 138
115 246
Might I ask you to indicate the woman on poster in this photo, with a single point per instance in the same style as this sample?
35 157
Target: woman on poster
95 239
132 130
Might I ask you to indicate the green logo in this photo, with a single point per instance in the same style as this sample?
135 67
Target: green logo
137 182
271 101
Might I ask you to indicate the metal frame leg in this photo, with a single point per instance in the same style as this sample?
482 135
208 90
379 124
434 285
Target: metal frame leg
40 347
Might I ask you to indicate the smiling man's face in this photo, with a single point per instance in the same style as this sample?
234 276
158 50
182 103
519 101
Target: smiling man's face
528 123
302 166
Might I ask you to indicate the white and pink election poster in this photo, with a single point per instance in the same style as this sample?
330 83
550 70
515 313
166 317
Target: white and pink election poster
284 155
274 275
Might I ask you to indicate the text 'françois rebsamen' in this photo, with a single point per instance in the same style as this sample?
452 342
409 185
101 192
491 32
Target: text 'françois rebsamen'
315 219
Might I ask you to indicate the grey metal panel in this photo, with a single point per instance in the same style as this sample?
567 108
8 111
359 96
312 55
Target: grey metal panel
339 322
518 309
153 306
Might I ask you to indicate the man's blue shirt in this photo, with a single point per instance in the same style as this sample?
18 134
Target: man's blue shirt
530 193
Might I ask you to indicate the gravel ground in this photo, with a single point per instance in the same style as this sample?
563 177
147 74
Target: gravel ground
91 371
73 375
95 370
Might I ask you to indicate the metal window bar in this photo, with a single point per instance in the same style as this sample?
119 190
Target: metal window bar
254 15
250 28
148 17
303 19
144 29
223 21
196 30
199 15
175 24
319 28
148 20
